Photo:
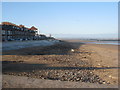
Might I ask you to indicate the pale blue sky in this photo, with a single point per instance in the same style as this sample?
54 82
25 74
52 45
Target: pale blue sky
64 17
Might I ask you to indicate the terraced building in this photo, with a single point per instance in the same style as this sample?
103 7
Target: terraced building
12 31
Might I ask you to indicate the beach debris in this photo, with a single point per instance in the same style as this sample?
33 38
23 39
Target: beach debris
72 50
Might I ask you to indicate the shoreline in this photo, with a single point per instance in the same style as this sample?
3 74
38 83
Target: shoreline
95 42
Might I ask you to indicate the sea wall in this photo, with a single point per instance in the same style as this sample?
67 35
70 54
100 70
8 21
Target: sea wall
25 44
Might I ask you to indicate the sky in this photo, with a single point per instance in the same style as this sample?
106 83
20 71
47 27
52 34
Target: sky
64 18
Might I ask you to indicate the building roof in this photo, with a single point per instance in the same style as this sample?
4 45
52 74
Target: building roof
33 28
8 23
21 26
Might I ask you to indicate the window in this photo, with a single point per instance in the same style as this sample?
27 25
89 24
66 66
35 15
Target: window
19 32
3 37
9 32
8 37
21 28
3 31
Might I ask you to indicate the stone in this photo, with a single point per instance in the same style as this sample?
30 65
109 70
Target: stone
104 82
99 64
110 76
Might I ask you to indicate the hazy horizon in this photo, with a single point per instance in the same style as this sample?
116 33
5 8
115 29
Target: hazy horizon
86 36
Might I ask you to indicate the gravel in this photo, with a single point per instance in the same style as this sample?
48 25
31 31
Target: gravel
63 75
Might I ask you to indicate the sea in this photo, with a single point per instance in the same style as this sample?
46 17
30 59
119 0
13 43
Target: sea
104 42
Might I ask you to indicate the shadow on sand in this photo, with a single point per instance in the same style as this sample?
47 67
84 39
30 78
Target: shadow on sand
12 66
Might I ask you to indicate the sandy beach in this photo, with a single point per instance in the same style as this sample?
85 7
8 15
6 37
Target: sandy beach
70 64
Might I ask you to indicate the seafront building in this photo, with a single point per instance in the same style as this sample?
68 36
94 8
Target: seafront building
12 32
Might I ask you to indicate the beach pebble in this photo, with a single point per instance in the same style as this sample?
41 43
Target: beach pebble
110 76
19 74
98 64
104 82
108 82
78 79
91 72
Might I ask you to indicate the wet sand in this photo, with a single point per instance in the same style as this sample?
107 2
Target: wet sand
69 62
